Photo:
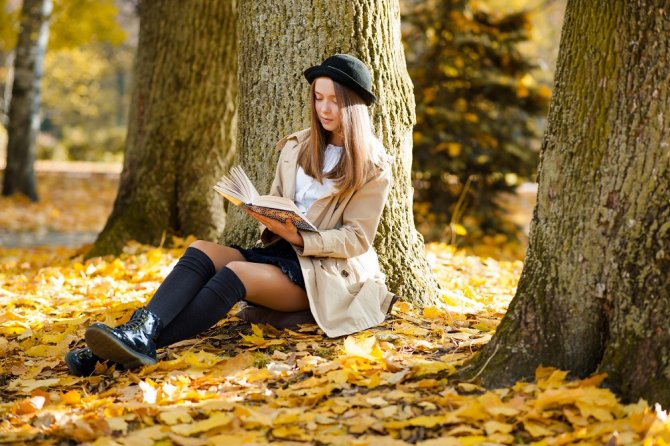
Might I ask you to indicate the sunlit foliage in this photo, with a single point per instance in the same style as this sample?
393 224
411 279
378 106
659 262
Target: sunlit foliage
479 112
242 384
86 82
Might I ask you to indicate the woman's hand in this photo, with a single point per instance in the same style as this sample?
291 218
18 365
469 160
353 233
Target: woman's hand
286 230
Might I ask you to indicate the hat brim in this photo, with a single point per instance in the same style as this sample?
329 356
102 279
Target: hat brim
342 78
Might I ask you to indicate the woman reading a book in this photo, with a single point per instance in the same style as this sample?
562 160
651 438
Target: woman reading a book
338 174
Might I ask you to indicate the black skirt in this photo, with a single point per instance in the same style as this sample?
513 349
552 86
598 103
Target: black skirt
280 254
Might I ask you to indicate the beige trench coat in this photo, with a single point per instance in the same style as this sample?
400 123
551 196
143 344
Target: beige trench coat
344 283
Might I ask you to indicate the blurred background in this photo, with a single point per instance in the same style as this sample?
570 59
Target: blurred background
482 73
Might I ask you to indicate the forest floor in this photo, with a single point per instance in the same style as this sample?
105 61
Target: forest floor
242 384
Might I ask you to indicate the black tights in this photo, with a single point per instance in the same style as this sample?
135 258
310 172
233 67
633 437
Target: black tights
194 297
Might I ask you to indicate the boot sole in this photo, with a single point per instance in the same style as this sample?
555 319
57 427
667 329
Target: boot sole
107 346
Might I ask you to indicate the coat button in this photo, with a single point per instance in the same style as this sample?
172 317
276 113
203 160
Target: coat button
345 273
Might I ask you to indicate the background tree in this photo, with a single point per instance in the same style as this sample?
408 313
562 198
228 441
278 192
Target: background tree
76 27
181 125
594 294
278 41
88 66
23 119
479 113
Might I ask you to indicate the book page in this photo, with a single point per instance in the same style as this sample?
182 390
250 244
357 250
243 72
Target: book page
236 187
273 201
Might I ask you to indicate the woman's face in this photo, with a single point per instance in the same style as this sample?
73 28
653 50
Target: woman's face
325 104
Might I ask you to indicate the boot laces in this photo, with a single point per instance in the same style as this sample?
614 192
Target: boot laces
134 324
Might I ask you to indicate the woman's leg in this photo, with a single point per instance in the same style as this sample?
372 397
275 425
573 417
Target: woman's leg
134 342
219 255
211 305
259 283
268 286
194 269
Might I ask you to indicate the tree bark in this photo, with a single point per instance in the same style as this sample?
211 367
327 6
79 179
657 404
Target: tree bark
182 124
24 120
594 294
278 41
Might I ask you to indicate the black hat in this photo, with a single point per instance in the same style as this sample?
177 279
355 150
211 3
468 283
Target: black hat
346 70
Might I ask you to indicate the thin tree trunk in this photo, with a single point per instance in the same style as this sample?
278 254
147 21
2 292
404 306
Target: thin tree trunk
278 41
594 294
182 123
24 120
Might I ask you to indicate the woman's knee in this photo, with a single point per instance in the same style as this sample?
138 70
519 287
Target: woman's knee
247 273
202 245
219 254
238 267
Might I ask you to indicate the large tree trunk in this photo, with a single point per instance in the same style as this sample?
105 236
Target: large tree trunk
278 41
594 294
181 124
24 107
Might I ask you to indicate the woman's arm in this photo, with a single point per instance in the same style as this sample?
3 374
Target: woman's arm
286 230
359 223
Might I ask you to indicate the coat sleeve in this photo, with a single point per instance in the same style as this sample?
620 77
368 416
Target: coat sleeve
360 219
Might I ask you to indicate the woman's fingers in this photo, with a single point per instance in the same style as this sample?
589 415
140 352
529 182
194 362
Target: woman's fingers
284 229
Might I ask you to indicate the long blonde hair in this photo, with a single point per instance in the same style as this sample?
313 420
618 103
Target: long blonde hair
361 147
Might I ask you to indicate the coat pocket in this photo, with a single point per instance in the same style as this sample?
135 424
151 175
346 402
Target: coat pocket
349 271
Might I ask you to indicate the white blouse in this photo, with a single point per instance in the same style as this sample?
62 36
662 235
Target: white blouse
308 189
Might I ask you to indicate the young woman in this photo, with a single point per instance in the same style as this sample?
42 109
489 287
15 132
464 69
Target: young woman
338 174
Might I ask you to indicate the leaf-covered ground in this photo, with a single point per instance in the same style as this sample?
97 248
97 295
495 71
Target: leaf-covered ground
74 197
241 384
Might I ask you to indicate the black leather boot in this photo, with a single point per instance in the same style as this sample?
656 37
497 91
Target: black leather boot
132 344
81 361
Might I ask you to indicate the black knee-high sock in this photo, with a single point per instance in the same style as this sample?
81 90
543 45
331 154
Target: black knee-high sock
211 304
193 270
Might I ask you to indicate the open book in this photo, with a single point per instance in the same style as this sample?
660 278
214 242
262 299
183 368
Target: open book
238 189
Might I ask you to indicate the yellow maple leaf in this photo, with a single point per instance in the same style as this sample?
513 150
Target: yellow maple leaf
176 415
363 347
432 312
491 427
256 417
291 433
591 401
257 338
201 360
536 429
428 421
549 377
71 398
28 385
39 351
145 436
423 368
238 438
216 419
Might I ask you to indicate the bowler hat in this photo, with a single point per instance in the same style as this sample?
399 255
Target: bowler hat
346 70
